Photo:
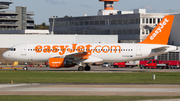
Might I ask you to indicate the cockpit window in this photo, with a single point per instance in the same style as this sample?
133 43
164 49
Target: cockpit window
12 49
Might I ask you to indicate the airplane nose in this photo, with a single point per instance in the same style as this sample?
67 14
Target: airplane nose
5 55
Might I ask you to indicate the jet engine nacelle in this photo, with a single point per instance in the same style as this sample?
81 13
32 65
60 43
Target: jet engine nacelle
60 63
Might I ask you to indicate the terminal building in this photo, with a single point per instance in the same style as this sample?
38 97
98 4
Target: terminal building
130 26
20 19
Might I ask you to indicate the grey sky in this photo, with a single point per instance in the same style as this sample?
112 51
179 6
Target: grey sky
44 9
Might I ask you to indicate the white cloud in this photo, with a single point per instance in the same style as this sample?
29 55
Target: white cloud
148 8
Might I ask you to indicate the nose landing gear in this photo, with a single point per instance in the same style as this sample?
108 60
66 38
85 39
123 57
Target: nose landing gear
25 68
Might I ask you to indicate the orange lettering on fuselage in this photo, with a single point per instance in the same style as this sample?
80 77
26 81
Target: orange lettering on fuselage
63 49
38 49
73 48
81 48
47 49
55 49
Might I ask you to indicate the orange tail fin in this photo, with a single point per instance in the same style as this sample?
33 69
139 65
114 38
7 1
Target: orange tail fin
160 34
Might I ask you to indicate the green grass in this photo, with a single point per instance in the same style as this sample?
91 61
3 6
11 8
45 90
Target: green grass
81 98
63 77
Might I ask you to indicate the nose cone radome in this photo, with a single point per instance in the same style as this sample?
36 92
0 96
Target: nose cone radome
6 55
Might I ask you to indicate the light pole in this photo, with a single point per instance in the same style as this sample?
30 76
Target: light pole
52 32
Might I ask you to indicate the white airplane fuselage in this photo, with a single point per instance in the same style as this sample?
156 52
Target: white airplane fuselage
97 52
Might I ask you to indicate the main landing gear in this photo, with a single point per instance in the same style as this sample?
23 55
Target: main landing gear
86 68
25 68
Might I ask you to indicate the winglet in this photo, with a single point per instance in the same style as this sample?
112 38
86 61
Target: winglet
160 34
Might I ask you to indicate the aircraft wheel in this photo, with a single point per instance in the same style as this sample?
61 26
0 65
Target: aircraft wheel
80 68
87 68
115 66
25 68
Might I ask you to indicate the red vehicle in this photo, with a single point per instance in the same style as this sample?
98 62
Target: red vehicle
124 65
30 65
161 64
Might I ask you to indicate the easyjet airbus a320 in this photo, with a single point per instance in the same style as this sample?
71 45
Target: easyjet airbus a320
69 55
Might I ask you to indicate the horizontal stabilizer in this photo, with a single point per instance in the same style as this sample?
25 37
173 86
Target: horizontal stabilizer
163 48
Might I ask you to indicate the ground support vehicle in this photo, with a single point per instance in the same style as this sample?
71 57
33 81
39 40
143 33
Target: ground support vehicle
124 65
159 64
106 64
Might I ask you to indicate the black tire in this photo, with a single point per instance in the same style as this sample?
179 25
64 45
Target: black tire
87 68
80 68
142 67
115 66
25 68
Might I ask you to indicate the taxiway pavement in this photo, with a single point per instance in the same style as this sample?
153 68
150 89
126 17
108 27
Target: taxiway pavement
90 89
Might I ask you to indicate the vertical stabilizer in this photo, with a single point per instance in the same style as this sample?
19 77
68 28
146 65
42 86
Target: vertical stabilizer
161 33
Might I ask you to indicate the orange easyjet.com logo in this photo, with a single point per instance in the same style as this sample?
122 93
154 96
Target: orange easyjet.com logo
62 49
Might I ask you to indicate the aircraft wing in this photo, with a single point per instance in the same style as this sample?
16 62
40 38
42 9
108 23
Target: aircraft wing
74 57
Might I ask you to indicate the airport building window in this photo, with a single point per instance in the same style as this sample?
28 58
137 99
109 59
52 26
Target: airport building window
96 22
143 20
65 24
85 31
125 31
159 19
70 23
150 30
147 20
119 21
75 23
131 21
137 31
131 32
102 22
113 32
143 31
163 57
81 23
91 22
154 20
86 22
173 55
150 20
60 24
112 22
147 31
125 21
119 32
137 21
